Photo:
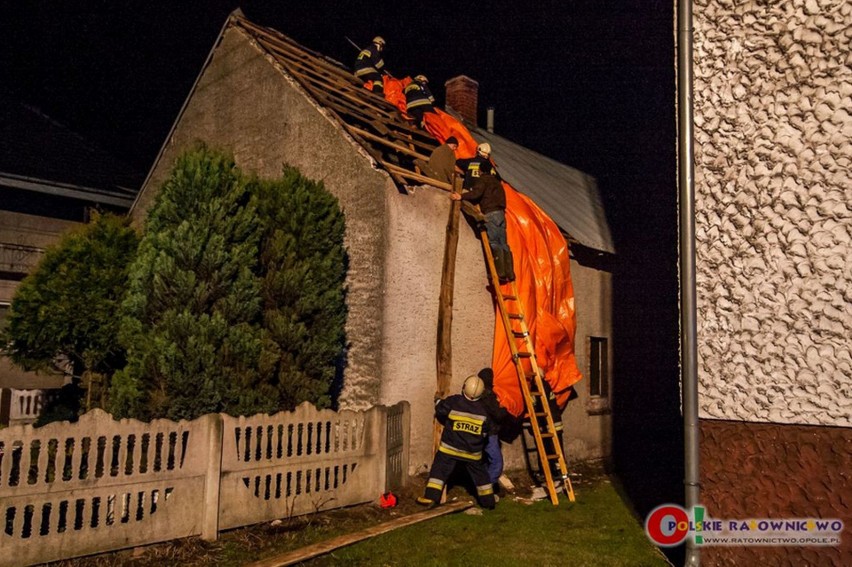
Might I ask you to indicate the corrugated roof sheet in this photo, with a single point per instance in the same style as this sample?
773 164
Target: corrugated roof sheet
568 195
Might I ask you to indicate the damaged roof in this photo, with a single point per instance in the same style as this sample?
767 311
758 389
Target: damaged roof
569 196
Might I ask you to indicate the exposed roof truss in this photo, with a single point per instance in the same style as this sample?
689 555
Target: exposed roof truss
383 131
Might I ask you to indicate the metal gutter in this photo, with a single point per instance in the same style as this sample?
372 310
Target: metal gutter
688 306
64 190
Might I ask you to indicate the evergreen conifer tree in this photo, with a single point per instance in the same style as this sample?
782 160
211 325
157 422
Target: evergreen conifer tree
303 266
236 301
65 311
190 318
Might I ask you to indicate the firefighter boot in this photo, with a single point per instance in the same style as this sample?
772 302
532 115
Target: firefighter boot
499 263
507 272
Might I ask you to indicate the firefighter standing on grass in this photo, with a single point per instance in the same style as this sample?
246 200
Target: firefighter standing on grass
369 65
466 427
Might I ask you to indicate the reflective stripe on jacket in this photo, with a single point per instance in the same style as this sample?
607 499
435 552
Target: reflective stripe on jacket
417 94
369 61
466 427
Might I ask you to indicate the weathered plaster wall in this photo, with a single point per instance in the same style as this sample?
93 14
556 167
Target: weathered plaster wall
588 420
244 105
413 275
758 470
773 141
415 253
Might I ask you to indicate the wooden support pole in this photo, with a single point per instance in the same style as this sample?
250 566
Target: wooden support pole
444 350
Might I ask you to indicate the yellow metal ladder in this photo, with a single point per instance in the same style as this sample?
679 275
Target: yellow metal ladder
532 384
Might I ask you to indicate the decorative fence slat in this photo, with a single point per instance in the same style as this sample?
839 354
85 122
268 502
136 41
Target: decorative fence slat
71 489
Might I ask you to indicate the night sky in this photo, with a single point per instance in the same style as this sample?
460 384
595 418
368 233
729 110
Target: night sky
587 82
577 81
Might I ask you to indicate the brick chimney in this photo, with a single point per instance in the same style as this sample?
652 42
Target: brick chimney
461 96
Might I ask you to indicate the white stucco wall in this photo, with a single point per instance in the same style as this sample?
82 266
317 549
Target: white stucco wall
773 142
415 253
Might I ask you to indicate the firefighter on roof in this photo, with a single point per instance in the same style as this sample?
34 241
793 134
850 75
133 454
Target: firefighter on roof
418 98
466 427
369 65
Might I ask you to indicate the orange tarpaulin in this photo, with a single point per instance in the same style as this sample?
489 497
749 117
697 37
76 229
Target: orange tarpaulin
442 126
543 278
438 123
395 91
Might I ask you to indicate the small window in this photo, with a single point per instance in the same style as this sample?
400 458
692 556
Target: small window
599 367
598 374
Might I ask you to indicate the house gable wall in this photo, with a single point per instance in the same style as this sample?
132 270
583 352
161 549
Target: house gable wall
244 104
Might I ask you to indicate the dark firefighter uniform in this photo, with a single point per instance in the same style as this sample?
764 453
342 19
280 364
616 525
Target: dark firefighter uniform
466 427
368 67
470 169
418 100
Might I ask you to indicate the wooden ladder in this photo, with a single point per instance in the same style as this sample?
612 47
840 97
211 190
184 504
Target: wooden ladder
532 384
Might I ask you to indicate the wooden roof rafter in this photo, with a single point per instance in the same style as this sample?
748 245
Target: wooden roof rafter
373 122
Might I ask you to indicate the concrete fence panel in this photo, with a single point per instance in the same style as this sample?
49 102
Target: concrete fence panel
297 462
99 484
26 406
72 489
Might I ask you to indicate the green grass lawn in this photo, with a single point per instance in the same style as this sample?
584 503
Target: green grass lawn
597 529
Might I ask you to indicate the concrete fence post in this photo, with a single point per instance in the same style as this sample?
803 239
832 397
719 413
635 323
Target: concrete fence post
210 517
379 446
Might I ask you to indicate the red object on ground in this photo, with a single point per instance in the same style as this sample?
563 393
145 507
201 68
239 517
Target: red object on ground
387 500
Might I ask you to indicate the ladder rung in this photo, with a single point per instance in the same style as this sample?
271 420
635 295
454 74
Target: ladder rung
517 316
509 298
524 354
547 435
552 457
521 335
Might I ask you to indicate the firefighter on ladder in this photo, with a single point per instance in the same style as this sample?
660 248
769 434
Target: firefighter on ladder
488 193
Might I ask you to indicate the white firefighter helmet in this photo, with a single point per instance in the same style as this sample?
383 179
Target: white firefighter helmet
473 388
421 79
379 40
484 149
